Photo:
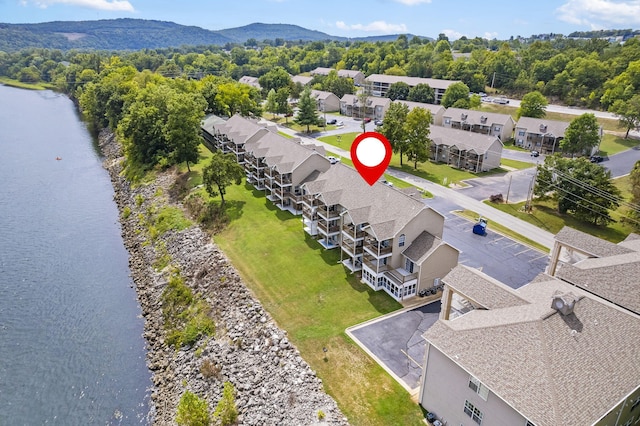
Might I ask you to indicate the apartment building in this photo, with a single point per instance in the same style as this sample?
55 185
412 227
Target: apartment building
355 75
551 353
380 83
375 108
465 150
326 101
539 134
392 239
486 123
251 81
437 111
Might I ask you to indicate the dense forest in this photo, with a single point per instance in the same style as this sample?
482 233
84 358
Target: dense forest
136 34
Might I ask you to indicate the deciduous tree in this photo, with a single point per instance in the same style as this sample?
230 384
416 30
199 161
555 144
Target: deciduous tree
533 104
223 170
192 411
421 93
634 183
455 92
417 128
398 91
582 135
393 127
628 113
580 187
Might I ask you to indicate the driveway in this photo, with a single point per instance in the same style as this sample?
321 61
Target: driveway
395 342
514 185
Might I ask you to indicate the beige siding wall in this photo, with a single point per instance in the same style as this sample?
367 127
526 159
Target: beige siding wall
428 220
494 155
437 265
445 388
623 413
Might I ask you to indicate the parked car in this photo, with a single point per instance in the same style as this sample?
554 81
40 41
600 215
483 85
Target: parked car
535 153
340 123
501 101
596 159
378 122
332 121
333 160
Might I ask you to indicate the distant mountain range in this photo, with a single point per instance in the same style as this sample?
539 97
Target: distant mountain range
136 34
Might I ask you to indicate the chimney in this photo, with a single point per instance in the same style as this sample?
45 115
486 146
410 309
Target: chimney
564 302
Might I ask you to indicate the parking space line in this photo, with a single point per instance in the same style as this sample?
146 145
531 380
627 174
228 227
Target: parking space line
523 251
410 359
539 257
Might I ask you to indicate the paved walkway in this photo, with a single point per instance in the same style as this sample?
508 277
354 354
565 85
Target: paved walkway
523 228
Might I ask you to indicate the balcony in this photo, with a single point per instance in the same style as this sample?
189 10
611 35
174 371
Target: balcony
401 276
283 180
309 200
350 232
328 212
351 249
353 267
328 229
378 249
374 265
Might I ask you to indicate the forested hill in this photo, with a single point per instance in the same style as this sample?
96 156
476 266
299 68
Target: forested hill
136 34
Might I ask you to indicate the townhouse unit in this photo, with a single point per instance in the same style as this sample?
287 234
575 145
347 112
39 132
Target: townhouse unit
326 101
465 150
380 84
302 79
272 163
539 134
251 81
393 239
487 123
355 75
437 111
547 354
375 108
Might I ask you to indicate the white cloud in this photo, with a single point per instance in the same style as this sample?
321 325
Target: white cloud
110 5
600 13
452 34
375 26
413 2
490 35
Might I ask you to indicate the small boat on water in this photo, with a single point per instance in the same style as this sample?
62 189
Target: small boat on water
58 158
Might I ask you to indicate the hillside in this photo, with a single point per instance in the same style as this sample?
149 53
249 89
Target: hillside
136 34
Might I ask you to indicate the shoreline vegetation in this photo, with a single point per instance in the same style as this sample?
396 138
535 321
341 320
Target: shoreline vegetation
207 336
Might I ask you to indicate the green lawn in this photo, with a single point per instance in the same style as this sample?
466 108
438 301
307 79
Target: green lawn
612 144
515 164
33 86
312 296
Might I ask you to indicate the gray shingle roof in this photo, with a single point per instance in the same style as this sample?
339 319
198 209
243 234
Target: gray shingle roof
462 139
412 81
375 100
476 117
529 356
594 246
389 209
533 125
421 247
435 109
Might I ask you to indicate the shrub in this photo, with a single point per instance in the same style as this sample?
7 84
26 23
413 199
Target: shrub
226 411
126 212
321 415
210 369
192 411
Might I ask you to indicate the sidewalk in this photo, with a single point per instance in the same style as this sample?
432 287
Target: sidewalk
523 228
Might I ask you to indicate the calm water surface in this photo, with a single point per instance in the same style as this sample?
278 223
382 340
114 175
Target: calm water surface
71 351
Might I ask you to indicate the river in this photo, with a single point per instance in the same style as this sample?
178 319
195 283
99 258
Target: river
71 345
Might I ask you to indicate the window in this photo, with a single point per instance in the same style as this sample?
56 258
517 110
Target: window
408 265
401 241
447 121
521 133
478 387
473 412
529 423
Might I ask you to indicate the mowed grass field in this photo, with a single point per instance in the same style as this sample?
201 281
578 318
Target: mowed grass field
310 294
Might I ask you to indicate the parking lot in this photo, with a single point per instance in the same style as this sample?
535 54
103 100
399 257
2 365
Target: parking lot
395 341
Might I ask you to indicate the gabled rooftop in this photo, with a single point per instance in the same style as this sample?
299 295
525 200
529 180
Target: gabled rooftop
462 139
554 369
542 126
411 81
478 118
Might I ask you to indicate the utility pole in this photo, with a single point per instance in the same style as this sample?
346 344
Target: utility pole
493 80
527 207
509 188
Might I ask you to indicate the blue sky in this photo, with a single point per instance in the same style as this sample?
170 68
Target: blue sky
490 18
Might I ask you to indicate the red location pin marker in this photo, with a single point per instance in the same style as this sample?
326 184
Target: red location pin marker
371 154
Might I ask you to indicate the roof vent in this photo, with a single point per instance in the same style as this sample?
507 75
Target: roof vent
483 119
543 127
564 302
463 116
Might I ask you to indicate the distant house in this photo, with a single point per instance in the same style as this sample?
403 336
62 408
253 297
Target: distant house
437 111
561 350
376 107
380 84
488 123
326 101
302 79
465 150
356 76
539 134
251 81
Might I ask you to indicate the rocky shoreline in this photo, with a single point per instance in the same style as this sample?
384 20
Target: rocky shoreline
274 385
